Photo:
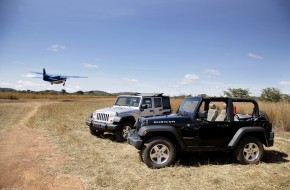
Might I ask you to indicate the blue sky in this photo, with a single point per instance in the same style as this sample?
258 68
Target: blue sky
171 46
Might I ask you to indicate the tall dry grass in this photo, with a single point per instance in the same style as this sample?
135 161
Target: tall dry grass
106 164
279 113
21 96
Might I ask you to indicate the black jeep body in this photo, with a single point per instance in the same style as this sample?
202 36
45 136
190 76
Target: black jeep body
199 126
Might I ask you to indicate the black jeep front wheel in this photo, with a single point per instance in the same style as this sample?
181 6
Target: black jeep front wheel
249 151
158 152
123 130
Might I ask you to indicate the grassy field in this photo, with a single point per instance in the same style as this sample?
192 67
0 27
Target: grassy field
102 163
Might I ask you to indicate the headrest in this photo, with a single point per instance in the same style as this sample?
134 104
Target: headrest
212 106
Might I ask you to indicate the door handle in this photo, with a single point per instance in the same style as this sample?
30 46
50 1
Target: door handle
222 125
151 111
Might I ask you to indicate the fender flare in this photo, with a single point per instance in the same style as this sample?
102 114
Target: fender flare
240 133
127 117
159 129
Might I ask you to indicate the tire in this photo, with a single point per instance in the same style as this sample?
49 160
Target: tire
249 151
158 152
122 131
95 132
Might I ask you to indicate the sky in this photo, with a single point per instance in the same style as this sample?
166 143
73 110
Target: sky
172 46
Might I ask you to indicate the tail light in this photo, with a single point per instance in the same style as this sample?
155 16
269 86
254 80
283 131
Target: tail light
235 109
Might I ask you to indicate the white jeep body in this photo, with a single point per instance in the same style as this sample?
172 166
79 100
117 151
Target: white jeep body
126 110
115 113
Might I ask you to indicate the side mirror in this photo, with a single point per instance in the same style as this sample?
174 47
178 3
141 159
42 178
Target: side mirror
144 106
202 114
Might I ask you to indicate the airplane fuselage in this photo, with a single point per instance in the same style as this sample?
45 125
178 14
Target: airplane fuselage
55 79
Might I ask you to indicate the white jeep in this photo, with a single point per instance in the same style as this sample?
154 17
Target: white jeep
127 109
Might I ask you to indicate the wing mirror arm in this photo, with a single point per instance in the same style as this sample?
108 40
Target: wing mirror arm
143 107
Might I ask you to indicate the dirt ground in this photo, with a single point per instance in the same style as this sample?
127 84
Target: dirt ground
22 150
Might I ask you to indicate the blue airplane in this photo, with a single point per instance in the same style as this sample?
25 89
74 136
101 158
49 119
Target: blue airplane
55 79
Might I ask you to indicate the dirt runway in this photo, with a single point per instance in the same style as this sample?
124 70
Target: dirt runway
25 153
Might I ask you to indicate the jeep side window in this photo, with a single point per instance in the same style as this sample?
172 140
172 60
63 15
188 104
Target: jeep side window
245 111
148 102
157 103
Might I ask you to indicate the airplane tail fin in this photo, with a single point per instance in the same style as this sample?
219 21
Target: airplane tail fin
44 73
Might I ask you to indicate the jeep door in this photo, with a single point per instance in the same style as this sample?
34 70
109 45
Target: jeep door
211 132
157 108
149 111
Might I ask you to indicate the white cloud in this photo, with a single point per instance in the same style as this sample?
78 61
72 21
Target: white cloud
90 65
18 62
187 79
212 72
29 76
4 84
22 83
255 56
56 47
284 83
129 79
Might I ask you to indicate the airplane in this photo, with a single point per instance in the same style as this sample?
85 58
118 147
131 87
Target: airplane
55 79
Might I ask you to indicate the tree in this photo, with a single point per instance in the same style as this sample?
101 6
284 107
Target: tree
237 92
286 97
63 91
202 95
271 95
80 92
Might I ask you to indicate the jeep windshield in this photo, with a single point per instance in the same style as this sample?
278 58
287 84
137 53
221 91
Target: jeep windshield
188 106
128 101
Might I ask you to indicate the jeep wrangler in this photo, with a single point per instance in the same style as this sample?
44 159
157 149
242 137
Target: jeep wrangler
121 117
204 124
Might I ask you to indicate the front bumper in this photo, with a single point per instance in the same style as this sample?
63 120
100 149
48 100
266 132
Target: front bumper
101 126
134 139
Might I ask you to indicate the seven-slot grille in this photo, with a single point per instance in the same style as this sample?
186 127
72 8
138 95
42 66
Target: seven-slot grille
102 116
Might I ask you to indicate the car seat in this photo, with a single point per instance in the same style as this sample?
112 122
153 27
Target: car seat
212 112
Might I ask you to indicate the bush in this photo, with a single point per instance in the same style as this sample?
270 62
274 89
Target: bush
12 97
271 95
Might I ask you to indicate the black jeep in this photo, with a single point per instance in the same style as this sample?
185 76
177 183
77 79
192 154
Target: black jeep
204 124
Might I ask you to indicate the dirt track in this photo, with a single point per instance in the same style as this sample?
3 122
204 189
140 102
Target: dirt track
25 154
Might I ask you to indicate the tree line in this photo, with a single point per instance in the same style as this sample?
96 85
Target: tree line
268 94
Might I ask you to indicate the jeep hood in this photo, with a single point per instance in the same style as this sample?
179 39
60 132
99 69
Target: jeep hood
118 109
168 119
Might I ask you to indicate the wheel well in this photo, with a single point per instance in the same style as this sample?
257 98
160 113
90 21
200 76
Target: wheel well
128 119
167 135
259 135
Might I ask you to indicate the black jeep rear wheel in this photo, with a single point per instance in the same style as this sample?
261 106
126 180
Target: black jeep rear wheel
158 152
249 151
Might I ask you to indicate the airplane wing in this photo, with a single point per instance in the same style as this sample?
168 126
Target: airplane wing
54 75
37 77
73 76
36 73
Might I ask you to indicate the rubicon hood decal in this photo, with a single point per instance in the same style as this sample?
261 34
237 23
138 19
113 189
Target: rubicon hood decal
163 122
